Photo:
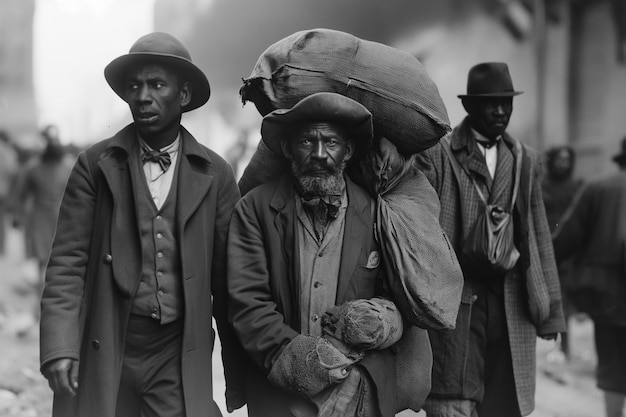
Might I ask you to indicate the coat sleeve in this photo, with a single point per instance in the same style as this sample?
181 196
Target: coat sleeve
254 315
555 322
63 291
232 352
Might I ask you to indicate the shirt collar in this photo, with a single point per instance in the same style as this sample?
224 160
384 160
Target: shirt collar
171 149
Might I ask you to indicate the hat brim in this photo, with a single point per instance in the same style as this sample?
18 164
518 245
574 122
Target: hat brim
115 73
321 108
487 95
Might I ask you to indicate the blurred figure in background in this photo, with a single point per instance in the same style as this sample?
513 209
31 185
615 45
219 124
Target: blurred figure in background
38 193
595 236
9 167
560 189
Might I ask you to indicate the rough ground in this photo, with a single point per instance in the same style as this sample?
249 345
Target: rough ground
563 389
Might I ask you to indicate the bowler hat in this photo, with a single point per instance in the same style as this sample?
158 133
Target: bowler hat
489 79
620 158
160 48
319 107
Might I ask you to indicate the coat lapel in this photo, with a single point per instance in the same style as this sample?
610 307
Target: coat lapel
357 229
124 248
194 180
284 221
468 155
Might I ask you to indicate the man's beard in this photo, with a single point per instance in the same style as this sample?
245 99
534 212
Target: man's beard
318 185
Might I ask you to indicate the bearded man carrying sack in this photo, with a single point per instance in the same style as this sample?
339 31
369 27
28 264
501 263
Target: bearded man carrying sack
306 289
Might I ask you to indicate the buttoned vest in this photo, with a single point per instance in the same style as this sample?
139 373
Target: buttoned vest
160 293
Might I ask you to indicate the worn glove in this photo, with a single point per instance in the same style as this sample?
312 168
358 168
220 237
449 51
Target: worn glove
364 324
309 364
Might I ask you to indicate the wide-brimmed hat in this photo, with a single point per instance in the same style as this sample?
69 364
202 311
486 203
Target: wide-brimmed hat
489 79
323 108
620 158
163 48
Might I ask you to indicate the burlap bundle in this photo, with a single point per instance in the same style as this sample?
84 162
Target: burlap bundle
390 83
364 324
422 270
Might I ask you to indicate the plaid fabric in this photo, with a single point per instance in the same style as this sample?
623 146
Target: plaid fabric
460 207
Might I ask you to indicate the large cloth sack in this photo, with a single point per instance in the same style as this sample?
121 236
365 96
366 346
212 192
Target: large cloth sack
390 83
264 166
422 270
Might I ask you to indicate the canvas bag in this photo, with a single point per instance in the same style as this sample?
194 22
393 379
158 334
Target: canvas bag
392 84
422 271
491 240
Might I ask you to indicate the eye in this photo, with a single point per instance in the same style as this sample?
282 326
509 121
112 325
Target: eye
131 86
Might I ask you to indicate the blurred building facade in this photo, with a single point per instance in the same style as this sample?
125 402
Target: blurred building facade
18 113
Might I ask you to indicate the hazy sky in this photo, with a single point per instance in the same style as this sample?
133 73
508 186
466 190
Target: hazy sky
73 41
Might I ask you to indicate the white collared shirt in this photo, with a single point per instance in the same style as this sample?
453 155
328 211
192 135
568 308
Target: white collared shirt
490 154
159 181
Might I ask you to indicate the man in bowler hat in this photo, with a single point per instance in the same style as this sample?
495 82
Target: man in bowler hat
138 264
486 365
593 236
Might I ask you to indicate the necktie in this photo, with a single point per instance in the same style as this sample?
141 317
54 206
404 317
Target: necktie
332 203
161 158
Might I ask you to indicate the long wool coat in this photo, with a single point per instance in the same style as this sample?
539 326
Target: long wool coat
94 272
536 266
264 291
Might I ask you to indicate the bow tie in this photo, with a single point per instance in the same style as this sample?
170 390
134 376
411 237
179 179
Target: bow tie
487 144
161 158
332 203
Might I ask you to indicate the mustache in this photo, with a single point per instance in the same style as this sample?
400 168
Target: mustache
318 184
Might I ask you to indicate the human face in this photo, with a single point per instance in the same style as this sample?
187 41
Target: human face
489 115
561 165
318 148
156 97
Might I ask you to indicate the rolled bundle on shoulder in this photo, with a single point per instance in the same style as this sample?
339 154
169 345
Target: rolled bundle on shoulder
392 84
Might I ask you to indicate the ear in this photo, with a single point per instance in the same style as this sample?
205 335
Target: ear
350 147
185 94
284 146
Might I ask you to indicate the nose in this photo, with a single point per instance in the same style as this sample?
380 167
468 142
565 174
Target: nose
499 109
319 151
143 93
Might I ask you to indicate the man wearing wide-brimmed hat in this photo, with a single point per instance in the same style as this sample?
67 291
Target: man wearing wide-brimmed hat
486 366
138 263
303 258
593 236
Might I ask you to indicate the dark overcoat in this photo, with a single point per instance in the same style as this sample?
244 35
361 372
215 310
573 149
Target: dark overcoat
532 296
594 234
95 266
264 289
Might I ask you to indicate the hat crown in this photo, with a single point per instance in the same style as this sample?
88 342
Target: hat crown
160 43
490 79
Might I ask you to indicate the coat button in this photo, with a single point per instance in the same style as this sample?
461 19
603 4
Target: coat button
95 343
108 259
